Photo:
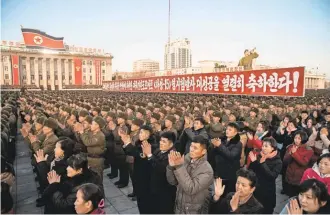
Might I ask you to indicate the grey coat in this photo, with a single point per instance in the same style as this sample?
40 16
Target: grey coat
193 180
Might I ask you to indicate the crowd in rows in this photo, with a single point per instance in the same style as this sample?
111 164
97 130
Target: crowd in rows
183 153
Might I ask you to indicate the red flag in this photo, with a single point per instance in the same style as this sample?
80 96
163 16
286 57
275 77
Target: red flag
37 39
77 70
15 66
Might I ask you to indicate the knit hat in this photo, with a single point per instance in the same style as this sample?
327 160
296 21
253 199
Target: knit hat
51 123
100 121
155 116
171 118
83 113
138 122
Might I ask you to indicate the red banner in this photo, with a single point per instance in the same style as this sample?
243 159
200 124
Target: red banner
34 38
270 82
77 71
97 64
15 69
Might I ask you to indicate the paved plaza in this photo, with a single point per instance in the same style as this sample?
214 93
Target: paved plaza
116 202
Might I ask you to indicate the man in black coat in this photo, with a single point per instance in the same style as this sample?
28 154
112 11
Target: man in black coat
162 194
141 173
227 153
189 133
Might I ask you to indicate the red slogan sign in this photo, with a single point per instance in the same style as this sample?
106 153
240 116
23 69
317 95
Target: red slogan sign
270 82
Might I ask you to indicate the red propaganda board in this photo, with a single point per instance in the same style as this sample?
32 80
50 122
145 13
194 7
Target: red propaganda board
15 68
77 71
97 64
270 82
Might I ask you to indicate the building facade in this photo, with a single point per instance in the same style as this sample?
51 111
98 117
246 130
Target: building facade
145 65
177 54
53 70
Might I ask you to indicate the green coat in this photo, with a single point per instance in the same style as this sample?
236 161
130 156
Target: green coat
47 144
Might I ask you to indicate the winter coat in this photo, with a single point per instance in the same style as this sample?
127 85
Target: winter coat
267 173
227 158
61 196
318 142
296 163
162 193
314 172
222 206
193 180
286 139
323 210
186 138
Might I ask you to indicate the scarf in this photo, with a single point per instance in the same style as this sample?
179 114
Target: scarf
52 164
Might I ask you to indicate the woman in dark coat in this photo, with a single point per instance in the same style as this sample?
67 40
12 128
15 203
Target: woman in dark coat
63 150
61 196
267 167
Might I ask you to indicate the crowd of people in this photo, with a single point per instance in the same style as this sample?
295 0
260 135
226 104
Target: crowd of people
183 153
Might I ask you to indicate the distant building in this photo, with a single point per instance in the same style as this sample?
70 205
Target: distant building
177 54
145 65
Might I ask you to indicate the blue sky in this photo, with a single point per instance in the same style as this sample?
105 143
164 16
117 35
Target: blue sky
285 32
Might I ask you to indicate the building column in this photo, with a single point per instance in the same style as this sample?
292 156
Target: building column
73 72
36 72
108 72
66 71
2 71
28 70
59 74
10 71
52 73
44 74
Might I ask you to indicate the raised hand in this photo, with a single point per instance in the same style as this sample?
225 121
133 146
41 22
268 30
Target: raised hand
146 148
53 177
39 156
293 207
252 157
218 189
234 201
216 142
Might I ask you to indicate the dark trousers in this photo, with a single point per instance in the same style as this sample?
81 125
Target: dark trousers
123 173
130 170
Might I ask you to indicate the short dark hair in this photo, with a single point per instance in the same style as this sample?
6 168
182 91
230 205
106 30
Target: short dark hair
67 146
318 189
303 135
326 155
201 140
271 141
248 174
91 192
294 122
234 125
264 124
78 161
169 135
201 119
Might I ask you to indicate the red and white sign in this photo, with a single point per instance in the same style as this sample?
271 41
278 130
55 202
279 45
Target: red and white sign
15 67
270 82
98 74
78 71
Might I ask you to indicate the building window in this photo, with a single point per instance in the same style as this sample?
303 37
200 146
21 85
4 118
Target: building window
103 71
90 62
24 77
70 78
32 77
90 77
48 77
103 78
6 68
103 63
84 78
6 76
56 78
84 70
63 77
84 62
90 70
40 77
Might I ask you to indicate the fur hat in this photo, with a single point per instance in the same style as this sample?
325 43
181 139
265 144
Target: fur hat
138 122
83 113
89 119
100 121
51 123
155 116
171 118
41 120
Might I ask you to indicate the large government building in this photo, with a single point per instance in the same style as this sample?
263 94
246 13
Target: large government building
52 69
